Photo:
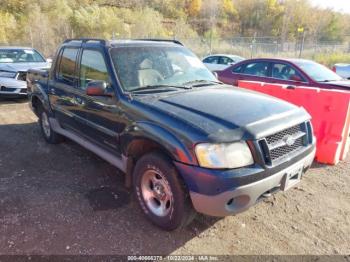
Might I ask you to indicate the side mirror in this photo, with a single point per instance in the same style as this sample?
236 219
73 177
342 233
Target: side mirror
215 74
49 60
97 88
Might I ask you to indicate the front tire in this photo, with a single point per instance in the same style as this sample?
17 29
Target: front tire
48 133
161 193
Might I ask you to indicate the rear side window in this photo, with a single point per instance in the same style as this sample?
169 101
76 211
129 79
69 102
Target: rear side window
256 69
92 68
237 69
211 60
66 71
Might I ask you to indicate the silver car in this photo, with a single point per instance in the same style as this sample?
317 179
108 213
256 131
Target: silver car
342 70
220 62
14 64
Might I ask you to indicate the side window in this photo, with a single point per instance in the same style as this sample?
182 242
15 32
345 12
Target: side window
237 69
92 68
285 72
225 60
66 71
211 60
256 69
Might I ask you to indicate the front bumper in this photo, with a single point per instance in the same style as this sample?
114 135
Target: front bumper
240 196
19 90
12 87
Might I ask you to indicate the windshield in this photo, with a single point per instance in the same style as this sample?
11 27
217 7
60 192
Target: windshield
318 72
157 66
20 56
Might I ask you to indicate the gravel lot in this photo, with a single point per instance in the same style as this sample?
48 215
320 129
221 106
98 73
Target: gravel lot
62 199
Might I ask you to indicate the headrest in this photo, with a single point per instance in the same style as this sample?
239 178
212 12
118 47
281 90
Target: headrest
146 64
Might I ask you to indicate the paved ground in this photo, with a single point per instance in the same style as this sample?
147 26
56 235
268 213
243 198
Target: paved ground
64 200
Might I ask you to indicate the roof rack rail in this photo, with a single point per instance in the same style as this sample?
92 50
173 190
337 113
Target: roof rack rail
85 40
161 40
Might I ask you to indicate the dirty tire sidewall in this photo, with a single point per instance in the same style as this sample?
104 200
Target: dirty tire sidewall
181 207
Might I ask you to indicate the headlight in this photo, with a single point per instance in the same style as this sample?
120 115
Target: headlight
8 74
231 155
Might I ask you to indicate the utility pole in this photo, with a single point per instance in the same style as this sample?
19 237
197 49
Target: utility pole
252 46
302 40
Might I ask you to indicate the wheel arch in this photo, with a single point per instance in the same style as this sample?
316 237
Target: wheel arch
146 138
39 97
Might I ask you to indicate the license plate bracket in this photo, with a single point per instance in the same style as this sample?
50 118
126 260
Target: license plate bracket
291 178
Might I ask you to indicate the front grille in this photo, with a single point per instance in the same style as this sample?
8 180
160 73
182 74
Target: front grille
280 145
280 135
284 150
22 76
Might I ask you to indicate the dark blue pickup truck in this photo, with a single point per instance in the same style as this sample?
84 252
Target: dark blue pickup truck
185 141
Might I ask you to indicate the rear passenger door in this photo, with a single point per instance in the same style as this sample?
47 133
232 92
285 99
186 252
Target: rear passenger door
62 85
255 71
212 63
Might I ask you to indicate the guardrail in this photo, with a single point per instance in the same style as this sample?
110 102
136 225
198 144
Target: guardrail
330 111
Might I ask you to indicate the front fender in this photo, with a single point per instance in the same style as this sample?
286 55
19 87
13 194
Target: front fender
178 149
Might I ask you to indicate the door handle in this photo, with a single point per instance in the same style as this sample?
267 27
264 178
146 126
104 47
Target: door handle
290 87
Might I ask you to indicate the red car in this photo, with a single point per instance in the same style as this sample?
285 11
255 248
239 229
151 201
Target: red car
293 72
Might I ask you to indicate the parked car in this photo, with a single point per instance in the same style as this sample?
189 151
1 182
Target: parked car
185 141
14 64
221 61
292 72
342 70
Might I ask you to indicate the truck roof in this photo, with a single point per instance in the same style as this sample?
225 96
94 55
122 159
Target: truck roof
122 42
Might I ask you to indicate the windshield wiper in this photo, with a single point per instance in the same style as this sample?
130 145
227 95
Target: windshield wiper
326 81
201 82
158 87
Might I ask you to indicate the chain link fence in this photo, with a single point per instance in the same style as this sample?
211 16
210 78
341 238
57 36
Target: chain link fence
250 47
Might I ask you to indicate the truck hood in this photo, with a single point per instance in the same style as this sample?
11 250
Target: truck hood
22 67
230 113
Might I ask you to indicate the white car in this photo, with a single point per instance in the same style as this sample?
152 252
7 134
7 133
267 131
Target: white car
14 64
220 62
342 70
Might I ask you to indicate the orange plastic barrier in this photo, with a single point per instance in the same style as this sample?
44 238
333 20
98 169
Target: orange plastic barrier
330 111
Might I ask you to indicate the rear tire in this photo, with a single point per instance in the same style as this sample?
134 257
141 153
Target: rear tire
48 133
161 193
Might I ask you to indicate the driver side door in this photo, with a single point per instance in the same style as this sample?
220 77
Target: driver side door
103 120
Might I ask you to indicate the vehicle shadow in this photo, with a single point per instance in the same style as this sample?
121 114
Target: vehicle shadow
66 200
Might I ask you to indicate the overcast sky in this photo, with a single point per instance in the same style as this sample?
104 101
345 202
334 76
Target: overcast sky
339 5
